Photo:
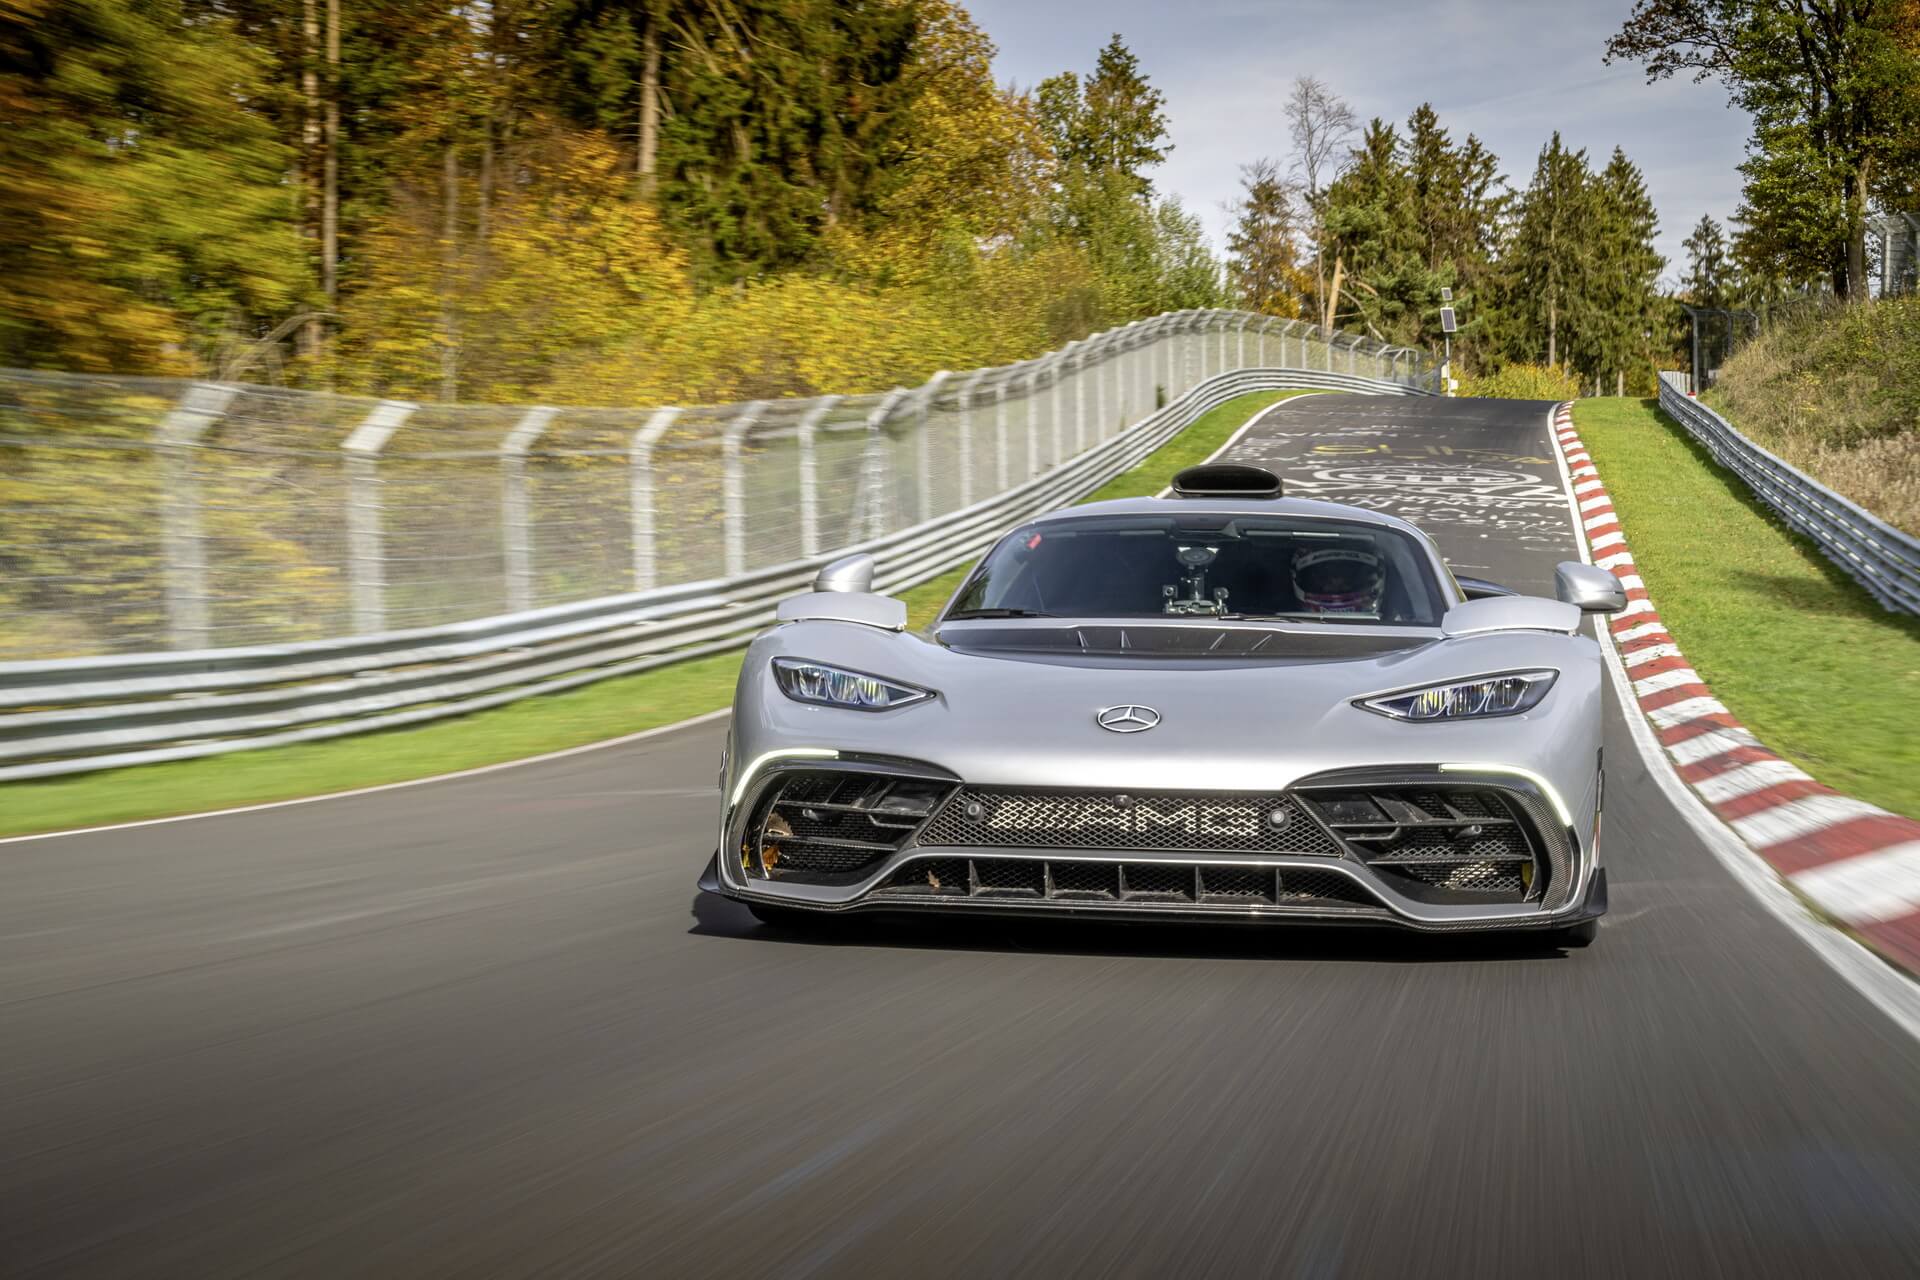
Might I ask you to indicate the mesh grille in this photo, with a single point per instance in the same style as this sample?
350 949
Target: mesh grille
1092 879
828 858
1321 885
1009 875
1249 884
1110 820
1155 880
1479 877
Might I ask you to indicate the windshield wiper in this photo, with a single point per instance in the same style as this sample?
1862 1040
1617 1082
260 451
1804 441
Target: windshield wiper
965 614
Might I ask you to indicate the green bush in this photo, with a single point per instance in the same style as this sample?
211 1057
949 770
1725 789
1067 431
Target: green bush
1524 382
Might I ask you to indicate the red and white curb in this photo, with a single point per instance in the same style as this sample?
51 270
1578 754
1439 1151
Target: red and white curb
1856 862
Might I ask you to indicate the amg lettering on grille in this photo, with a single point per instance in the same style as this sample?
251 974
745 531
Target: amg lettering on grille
1007 818
1023 813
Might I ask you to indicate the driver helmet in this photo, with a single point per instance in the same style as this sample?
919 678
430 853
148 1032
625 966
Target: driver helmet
1338 579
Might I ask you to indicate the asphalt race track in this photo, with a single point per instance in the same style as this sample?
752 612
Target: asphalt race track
484 1026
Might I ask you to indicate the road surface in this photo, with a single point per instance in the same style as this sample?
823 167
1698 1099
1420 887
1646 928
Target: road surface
485 1026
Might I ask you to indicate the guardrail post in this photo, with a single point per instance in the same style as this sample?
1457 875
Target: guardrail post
733 486
366 558
183 539
874 465
810 475
516 515
640 496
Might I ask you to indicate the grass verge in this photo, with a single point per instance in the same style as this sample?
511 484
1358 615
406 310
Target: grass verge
608 709
1794 648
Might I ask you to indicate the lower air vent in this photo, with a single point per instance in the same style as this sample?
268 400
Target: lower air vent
1438 844
1134 884
828 826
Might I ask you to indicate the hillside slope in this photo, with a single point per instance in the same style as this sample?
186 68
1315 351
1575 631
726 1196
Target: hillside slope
1836 392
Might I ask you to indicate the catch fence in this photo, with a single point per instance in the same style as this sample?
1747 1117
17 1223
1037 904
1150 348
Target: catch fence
147 514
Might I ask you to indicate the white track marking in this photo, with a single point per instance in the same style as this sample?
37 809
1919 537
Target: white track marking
1666 680
1882 885
1640 657
1247 426
1744 780
1715 742
385 786
1803 817
1883 986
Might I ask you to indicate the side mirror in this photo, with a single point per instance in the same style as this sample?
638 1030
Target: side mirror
1588 589
849 573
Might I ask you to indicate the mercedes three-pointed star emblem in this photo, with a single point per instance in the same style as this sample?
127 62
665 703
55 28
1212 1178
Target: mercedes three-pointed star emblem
1128 717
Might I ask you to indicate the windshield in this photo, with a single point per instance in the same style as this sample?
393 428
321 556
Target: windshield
1215 567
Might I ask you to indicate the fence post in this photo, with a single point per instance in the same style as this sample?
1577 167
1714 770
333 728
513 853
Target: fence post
874 482
183 539
640 496
516 515
1353 348
1240 343
923 443
1056 371
1079 399
366 558
810 475
1002 463
966 437
733 486
1170 340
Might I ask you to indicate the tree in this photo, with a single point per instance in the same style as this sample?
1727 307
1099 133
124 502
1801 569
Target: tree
1372 227
1624 275
1830 85
1708 282
1115 124
1549 259
1320 125
143 216
1263 265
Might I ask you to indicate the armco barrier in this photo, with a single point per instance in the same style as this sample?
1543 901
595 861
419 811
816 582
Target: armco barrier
74 715
1875 554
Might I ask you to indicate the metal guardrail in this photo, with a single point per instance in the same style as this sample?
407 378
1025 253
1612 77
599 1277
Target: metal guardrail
141 514
1875 554
65 716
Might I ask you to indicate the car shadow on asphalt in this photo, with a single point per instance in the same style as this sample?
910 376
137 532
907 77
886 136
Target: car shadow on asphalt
714 916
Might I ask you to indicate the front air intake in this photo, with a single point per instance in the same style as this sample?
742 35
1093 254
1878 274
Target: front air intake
1226 480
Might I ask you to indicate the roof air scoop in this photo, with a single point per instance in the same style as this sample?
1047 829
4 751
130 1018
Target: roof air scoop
1226 480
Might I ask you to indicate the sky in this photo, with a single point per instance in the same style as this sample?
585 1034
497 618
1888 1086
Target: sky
1511 71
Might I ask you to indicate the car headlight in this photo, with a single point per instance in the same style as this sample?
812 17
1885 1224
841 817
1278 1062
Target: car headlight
826 686
1506 694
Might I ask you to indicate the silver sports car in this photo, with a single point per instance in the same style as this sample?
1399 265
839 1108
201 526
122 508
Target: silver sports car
1222 704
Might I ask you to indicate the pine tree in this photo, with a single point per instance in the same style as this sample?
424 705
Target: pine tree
1263 264
1708 282
1549 260
1624 276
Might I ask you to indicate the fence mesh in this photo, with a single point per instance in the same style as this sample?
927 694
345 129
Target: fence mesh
140 514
